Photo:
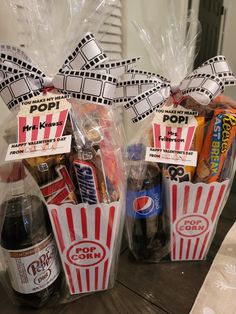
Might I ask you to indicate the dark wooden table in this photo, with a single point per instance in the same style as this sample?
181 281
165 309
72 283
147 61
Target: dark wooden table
145 288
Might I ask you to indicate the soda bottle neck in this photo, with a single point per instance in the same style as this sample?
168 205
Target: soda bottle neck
17 188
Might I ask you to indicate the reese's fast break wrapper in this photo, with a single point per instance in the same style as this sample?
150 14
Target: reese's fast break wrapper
219 138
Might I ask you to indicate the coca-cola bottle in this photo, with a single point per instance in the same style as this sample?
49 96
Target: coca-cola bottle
28 245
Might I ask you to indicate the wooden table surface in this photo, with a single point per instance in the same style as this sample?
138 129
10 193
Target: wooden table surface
165 287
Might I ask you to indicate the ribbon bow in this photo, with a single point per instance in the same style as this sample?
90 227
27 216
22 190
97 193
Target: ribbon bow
146 92
84 74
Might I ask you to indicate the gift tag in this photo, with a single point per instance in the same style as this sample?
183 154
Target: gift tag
41 123
173 133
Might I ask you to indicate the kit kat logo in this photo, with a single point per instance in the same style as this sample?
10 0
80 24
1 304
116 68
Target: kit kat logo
192 226
86 253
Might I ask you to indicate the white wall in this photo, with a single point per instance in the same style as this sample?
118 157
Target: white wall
8 35
146 13
229 50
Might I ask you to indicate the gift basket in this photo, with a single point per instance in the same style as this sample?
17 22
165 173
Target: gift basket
181 154
62 177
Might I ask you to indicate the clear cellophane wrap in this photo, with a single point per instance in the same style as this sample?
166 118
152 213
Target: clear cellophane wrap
177 115
65 95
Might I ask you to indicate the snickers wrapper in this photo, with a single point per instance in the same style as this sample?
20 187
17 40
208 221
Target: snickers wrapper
194 211
85 236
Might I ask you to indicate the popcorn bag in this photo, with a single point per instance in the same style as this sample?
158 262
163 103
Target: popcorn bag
62 199
187 129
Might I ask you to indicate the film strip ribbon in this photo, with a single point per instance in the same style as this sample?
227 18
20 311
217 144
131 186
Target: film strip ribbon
203 85
140 107
80 75
134 74
86 55
127 90
87 85
117 68
15 52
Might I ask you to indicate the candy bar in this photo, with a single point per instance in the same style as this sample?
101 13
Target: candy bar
53 179
218 141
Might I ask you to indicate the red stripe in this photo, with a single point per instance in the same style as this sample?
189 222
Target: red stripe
174 202
70 223
62 246
96 278
47 128
188 249
79 279
57 199
87 274
189 137
84 222
35 122
97 222
168 135
218 201
209 196
203 245
62 117
195 248
110 226
198 198
173 246
157 133
58 229
21 135
70 278
178 137
104 274
186 197
181 248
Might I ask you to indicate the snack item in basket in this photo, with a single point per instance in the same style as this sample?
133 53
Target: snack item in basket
219 138
28 244
53 178
229 163
180 173
94 154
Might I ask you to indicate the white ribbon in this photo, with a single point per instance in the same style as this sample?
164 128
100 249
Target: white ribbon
143 96
85 74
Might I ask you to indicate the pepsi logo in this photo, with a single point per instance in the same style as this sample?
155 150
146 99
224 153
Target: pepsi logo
143 205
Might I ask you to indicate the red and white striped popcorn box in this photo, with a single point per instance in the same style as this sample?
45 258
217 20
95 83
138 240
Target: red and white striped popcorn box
194 211
86 236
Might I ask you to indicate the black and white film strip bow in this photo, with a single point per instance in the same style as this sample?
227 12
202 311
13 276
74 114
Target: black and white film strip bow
147 92
85 74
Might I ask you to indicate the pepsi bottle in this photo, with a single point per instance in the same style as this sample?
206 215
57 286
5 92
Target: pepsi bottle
144 207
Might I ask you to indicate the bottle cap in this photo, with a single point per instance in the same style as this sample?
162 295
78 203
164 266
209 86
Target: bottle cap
12 172
17 187
136 151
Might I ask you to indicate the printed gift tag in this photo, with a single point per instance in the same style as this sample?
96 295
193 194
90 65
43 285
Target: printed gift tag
41 123
173 133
